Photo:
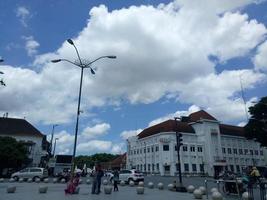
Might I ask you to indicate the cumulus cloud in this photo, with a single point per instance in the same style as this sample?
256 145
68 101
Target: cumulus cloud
96 131
260 59
23 14
161 51
126 134
31 45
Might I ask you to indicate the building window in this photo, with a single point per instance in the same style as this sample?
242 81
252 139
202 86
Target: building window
157 148
194 167
201 167
251 152
186 167
232 168
157 166
237 168
144 167
246 151
149 167
223 150
153 167
175 147
235 151
141 167
152 149
144 150
134 152
166 147
199 149
192 149
184 148
261 152
140 151
229 150
256 152
137 151
148 150
240 152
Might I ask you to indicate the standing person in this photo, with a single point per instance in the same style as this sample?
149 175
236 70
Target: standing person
116 180
255 175
94 181
99 175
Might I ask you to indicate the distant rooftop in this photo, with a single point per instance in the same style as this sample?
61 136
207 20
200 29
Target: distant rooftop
17 127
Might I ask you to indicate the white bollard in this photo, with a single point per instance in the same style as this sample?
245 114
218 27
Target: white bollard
43 189
216 196
54 180
29 180
11 189
203 190
213 190
245 196
170 186
190 189
1 180
140 190
11 180
80 181
21 180
46 180
160 186
122 183
37 180
131 183
107 189
141 184
63 181
88 181
150 185
105 182
197 194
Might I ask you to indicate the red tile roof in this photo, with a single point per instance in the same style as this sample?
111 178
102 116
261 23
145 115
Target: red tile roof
201 115
231 130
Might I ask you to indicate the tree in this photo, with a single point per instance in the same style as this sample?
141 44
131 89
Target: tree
256 127
13 154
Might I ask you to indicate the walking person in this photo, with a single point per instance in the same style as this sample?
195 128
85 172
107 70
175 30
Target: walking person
99 175
94 181
116 180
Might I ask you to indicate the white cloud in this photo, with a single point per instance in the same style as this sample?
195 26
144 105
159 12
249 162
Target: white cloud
161 51
31 45
96 131
126 134
23 14
260 59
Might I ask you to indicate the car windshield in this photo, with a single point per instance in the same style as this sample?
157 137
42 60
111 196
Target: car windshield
24 170
137 172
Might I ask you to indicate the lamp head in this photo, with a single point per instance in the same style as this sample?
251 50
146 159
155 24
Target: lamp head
92 71
56 60
112 57
70 41
1 60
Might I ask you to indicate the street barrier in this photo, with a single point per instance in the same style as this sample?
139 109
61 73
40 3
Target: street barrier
131 183
63 180
21 180
11 180
140 190
203 190
216 196
190 189
170 186
107 189
197 194
150 185
245 196
141 184
213 190
29 180
46 180
160 186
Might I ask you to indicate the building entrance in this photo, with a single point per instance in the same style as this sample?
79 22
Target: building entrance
167 169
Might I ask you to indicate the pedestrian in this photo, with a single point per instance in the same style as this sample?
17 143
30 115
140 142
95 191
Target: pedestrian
94 181
255 175
99 175
116 178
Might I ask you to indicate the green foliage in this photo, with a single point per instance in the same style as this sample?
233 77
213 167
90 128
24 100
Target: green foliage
12 153
91 160
256 127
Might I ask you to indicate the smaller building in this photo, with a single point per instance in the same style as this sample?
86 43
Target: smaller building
118 163
33 139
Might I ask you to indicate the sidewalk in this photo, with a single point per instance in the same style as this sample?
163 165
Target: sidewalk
29 191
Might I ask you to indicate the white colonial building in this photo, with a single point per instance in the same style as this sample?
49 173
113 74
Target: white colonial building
32 138
208 147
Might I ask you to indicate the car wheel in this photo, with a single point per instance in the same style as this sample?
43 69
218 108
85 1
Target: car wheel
16 178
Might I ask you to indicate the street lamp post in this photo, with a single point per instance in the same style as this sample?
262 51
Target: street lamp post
55 143
83 66
180 187
52 136
1 81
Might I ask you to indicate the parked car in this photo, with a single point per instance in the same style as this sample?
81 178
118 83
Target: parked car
31 172
131 175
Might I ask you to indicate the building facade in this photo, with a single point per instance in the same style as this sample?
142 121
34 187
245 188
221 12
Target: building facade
208 147
24 132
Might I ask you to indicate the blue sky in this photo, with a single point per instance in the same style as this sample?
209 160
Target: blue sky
173 58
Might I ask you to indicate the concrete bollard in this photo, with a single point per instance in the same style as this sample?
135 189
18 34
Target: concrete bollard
190 189
131 183
160 186
150 185
80 181
1 180
203 190
54 180
122 183
212 190
170 186
107 189
245 196
11 180
46 180
140 190
105 182
216 196
21 180
11 189
88 181
197 194
63 181
141 184
29 180
43 189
